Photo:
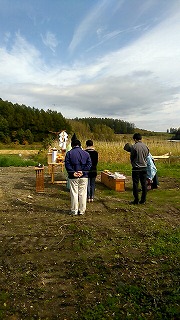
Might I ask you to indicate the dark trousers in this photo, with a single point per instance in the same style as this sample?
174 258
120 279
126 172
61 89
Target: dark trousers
139 175
155 182
91 187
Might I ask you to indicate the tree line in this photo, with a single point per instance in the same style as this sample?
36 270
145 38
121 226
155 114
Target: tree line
175 132
177 135
25 125
118 126
22 124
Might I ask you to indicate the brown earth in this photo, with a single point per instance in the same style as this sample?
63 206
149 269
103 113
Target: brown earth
44 250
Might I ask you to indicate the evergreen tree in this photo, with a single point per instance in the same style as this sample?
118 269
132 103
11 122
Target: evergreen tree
23 124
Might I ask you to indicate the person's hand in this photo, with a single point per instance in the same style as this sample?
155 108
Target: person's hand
78 174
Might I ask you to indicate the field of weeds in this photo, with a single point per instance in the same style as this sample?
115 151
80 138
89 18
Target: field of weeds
113 152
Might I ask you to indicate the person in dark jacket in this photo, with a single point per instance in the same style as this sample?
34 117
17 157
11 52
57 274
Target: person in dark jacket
93 171
152 177
78 164
138 156
69 147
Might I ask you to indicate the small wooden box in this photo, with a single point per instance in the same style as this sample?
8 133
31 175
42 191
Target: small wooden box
114 184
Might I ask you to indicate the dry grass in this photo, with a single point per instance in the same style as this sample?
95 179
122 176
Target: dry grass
112 152
19 151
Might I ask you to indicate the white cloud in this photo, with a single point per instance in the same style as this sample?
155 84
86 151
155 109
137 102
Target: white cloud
139 83
50 40
7 37
88 24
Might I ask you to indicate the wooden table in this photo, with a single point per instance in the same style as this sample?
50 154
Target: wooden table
51 169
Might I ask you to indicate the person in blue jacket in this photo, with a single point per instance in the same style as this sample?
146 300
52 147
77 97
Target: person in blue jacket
78 164
152 179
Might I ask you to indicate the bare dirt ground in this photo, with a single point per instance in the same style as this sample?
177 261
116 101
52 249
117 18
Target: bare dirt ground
43 248
36 241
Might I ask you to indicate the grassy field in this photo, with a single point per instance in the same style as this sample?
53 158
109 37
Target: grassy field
109 152
114 153
118 261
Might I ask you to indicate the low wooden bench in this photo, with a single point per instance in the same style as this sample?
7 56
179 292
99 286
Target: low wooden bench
164 156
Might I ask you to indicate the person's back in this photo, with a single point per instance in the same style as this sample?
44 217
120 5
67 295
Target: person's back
77 160
94 158
139 153
93 171
78 164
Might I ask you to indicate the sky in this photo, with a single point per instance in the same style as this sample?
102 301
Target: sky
116 59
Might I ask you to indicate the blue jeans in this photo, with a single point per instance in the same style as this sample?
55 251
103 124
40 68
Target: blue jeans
91 188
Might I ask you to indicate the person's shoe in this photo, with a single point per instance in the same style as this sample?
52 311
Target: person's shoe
142 202
73 213
91 200
81 213
88 200
134 202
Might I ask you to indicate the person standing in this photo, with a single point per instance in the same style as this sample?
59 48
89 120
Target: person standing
93 171
69 147
78 164
152 177
63 138
139 152
152 180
